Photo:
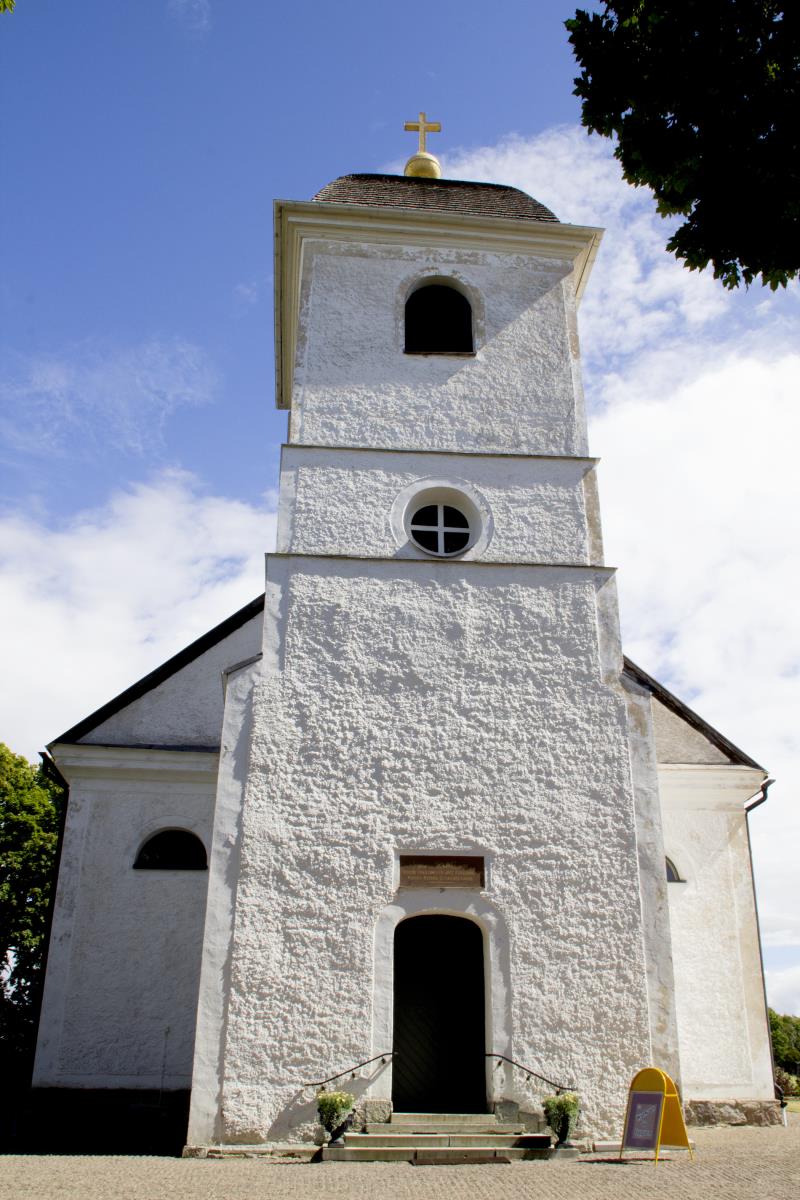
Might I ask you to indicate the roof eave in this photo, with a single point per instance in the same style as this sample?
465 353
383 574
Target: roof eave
691 717
161 673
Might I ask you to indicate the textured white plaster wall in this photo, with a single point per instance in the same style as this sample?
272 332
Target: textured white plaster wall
121 990
653 883
337 501
186 709
719 995
679 742
422 704
205 1115
355 386
460 902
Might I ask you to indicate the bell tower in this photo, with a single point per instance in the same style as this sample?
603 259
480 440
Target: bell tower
436 726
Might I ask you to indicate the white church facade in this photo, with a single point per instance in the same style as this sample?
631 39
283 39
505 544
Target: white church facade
411 822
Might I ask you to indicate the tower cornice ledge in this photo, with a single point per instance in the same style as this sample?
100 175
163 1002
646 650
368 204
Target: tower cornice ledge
431 561
335 448
299 221
355 563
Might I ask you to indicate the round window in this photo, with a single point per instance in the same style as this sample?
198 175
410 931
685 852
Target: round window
440 529
442 517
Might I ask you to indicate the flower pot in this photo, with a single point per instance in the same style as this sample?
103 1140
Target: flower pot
337 1134
564 1128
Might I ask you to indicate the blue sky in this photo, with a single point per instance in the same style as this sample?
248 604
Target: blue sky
147 145
141 148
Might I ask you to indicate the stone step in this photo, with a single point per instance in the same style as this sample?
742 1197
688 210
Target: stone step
442 1128
419 1119
421 1141
433 1155
304 1151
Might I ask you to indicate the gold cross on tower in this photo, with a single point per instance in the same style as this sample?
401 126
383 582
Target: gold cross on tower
423 163
423 127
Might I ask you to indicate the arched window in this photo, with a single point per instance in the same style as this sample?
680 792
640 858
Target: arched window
438 321
172 850
672 873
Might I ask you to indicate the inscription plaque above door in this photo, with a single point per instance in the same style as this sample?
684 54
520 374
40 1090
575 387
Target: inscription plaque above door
442 870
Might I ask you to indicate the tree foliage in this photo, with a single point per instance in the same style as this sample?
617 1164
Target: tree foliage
703 100
785 1041
7 5
786 1082
30 808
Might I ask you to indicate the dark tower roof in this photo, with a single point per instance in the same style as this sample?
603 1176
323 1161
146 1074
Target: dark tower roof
435 195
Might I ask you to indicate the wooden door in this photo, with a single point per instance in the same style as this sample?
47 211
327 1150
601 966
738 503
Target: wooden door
439 1016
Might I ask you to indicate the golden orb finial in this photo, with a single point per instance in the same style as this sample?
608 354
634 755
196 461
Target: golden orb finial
423 164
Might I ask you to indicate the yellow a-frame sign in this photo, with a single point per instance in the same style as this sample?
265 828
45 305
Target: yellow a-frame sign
653 1117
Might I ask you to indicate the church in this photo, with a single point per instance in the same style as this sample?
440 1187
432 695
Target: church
410 824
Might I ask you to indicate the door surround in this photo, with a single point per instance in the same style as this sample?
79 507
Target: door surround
455 902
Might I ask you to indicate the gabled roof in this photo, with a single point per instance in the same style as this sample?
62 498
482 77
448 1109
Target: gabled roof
690 716
234 622
165 671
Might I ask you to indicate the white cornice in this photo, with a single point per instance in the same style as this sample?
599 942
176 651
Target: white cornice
82 761
357 561
697 785
296 222
309 450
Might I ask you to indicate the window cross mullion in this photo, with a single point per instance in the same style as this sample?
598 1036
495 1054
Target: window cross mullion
435 534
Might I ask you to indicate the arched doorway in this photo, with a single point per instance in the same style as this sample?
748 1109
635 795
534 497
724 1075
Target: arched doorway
439 1019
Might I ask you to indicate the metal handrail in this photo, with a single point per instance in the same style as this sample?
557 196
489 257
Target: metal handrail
349 1071
560 1087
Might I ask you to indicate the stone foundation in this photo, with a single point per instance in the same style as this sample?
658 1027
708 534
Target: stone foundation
370 1112
733 1112
94 1121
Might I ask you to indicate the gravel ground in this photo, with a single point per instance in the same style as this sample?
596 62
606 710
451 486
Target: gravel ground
731 1164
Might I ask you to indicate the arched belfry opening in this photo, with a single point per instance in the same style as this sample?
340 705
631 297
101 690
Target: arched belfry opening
439 1062
438 321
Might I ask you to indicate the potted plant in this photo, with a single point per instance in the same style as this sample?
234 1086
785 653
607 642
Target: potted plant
561 1112
335 1110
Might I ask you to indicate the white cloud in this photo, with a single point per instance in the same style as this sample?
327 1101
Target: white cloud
91 396
781 928
700 497
783 990
246 293
695 393
637 293
193 15
91 606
